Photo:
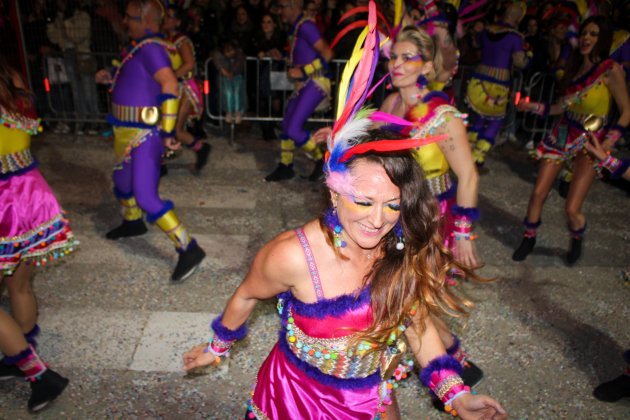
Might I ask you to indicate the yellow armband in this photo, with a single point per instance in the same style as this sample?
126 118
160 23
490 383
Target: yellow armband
169 105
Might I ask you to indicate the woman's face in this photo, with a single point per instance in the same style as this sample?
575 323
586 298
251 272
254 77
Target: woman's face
373 210
405 64
268 25
588 38
170 21
241 16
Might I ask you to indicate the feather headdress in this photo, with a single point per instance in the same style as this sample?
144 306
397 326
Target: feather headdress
353 121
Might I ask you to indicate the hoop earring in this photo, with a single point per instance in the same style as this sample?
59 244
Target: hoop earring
331 220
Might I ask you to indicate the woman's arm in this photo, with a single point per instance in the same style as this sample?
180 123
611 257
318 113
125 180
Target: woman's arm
617 85
459 157
188 59
272 272
428 349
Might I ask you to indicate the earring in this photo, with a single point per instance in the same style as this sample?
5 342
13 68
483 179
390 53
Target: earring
422 82
398 231
332 222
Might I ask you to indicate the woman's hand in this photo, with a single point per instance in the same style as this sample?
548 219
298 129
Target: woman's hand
478 407
275 54
321 135
197 357
172 144
595 147
295 73
465 253
103 77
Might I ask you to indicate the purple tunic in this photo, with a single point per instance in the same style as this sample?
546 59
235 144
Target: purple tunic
135 85
497 51
305 34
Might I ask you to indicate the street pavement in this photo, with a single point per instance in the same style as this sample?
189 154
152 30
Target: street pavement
545 334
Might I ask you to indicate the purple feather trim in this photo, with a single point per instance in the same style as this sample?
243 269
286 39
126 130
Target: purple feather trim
121 195
448 194
531 225
578 232
625 164
225 334
314 373
471 213
435 94
168 206
163 97
336 306
14 360
445 362
453 349
30 336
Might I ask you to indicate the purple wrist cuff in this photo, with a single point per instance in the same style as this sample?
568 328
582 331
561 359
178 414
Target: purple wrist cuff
625 164
471 213
225 334
445 362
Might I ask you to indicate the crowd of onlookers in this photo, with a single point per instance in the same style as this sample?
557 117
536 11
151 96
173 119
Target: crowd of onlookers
75 37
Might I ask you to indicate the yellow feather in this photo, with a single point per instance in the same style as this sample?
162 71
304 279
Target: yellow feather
348 70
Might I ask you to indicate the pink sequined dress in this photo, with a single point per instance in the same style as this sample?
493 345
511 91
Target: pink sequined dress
313 372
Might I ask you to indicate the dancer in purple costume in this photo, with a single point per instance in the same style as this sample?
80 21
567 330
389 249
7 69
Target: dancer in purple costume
144 111
309 55
489 89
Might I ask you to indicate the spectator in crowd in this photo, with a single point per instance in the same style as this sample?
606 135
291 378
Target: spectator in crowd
38 47
269 43
229 60
469 49
242 31
71 32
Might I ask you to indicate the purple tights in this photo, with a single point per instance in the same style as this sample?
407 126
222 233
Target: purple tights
486 129
140 177
299 109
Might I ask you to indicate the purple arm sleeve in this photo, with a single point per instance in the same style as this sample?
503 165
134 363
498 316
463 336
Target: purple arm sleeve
309 32
154 58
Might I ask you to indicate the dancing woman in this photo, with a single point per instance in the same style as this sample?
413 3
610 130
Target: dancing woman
33 232
190 100
413 64
591 83
380 236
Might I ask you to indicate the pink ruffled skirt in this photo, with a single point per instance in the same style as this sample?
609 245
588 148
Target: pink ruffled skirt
32 225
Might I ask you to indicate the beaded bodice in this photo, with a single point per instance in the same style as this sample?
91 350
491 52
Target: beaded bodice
15 140
589 94
427 117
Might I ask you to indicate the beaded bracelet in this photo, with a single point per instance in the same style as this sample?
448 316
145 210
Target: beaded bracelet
464 218
224 338
443 377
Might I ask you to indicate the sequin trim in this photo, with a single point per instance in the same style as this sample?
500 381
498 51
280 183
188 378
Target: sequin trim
310 261
440 184
19 122
15 162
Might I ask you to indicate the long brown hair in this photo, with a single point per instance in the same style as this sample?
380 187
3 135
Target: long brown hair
600 51
416 275
10 94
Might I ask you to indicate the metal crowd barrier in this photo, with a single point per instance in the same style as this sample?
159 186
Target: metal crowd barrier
266 88
541 88
66 89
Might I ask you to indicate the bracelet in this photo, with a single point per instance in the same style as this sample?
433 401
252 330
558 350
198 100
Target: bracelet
464 223
471 213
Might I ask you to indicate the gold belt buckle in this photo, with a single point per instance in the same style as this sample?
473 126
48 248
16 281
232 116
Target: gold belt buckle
150 115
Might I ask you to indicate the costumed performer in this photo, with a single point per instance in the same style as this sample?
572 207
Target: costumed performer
144 112
308 68
339 339
488 90
190 98
413 65
33 232
591 83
